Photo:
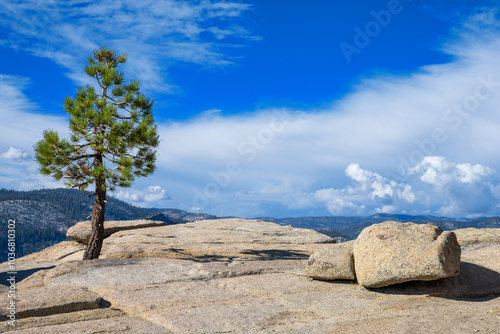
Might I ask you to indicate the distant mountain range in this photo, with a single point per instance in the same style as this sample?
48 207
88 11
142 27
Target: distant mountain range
43 216
176 214
350 227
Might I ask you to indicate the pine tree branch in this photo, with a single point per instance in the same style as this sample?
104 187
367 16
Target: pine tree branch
122 117
98 81
86 156
79 146
116 103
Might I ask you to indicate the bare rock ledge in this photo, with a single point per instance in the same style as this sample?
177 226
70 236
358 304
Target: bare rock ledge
238 276
81 231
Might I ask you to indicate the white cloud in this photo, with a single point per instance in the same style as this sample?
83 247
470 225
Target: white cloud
338 203
440 173
371 191
210 113
407 194
155 194
14 153
152 196
473 173
484 19
154 33
435 185
387 209
459 188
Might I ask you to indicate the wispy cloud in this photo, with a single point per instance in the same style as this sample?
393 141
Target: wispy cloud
20 120
20 128
154 33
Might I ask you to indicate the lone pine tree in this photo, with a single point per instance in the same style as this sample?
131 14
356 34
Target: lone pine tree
112 142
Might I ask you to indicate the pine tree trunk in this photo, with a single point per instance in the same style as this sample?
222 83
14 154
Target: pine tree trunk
95 243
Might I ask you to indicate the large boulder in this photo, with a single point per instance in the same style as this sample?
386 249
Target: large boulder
391 252
332 263
81 231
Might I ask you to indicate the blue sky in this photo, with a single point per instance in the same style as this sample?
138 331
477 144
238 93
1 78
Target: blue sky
276 108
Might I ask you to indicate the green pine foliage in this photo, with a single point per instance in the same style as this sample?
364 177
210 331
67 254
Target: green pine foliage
112 130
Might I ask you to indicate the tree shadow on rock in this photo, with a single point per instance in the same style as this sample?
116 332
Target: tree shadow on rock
337 281
275 254
20 275
186 255
247 255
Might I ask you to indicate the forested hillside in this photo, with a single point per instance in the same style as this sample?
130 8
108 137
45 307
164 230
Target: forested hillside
43 216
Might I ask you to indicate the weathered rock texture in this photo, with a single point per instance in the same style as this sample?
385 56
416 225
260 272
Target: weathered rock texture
392 252
37 303
470 237
81 231
239 276
333 263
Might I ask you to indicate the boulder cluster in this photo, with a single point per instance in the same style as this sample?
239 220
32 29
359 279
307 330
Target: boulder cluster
390 253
